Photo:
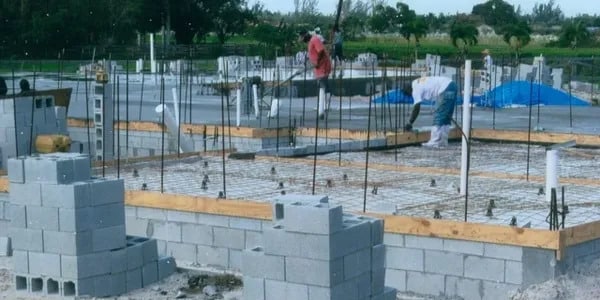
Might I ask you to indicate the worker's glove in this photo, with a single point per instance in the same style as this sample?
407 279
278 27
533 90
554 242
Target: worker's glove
408 127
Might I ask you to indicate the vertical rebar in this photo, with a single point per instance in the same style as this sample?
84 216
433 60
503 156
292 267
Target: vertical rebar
87 116
314 174
368 142
127 108
31 139
163 127
141 95
223 140
118 129
529 127
570 94
12 67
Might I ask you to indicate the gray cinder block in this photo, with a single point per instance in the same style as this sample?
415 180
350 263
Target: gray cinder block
134 255
84 266
134 279
357 263
182 252
103 285
118 260
48 169
197 234
108 215
20 260
27 239
377 281
446 263
39 217
16 170
212 256
82 168
118 283
275 289
404 259
136 226
108 238
355 235
255 263
5 246
29 193
254 288
149 273
105 191
484 268
378 256
18 216
377 229
78 287
314 272
281 201
76 195
314 218
425 283
388 294
229 238
45 264
69 243
75 219
166 267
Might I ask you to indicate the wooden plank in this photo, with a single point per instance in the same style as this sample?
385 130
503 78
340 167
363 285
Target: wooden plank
504 235
4 184
581 233
227 207
335 133
536 137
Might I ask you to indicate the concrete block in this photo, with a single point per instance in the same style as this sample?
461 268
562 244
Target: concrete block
255 263
152 213
422 242
45 264
166 267
181 216
484 268
277 290
539 265
130 211
503 251
20 261
16 170
497 290
466 247
253 239
513 272
84 266
75 219
134 254
81 287
76 195
48 169
357 263
245 223
404 259
103 285
317 218
355 235
149 273
212 256
108 215
281 201
168 231
425 283
229 238
314 272
149 249
393 239
118 260
464 288
118 283
134 279
446 263
182 252
197 234
18 215
27 239
29 193
69 243
396 279
82 168
235 260
254 288
279 242
213 220
377 281
39 217
378 256
136 226
377 229
108 238
388 294
106 191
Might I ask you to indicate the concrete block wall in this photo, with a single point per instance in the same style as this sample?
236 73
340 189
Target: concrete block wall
68 231
314 251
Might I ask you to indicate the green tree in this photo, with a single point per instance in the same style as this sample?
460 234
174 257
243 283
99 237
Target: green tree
463 34
517 36
229 18
384 19
547 14
574 34
495 13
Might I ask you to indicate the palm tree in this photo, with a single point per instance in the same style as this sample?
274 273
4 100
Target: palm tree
517 36
574 34
464 31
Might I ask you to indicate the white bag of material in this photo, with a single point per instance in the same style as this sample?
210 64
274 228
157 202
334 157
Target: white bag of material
275 106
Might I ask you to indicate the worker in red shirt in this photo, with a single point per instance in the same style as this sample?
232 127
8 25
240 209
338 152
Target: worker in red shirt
321 62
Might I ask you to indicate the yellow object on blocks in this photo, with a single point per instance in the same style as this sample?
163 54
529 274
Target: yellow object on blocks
52 143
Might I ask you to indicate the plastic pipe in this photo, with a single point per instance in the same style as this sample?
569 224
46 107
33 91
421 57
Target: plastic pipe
551 172
466 128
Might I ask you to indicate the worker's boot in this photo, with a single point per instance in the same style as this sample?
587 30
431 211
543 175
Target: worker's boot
445 132
436 137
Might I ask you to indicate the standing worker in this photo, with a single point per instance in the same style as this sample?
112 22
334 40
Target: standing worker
441 89
3 88
319 58
338 40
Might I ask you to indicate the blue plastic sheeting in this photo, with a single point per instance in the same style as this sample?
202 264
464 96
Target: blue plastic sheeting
514 93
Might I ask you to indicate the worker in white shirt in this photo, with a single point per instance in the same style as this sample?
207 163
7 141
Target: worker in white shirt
443 91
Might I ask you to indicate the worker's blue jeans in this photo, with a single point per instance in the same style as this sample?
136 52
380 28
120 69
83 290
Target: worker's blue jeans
445 106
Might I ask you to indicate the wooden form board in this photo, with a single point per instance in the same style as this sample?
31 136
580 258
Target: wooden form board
536 137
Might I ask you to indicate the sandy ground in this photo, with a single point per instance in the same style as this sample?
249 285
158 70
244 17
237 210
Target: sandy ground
166 289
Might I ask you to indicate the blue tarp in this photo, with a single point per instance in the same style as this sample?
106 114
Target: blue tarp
514 93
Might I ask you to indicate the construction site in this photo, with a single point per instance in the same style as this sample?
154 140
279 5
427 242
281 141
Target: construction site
297 197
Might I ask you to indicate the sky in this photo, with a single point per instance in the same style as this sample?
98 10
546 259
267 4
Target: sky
569 7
